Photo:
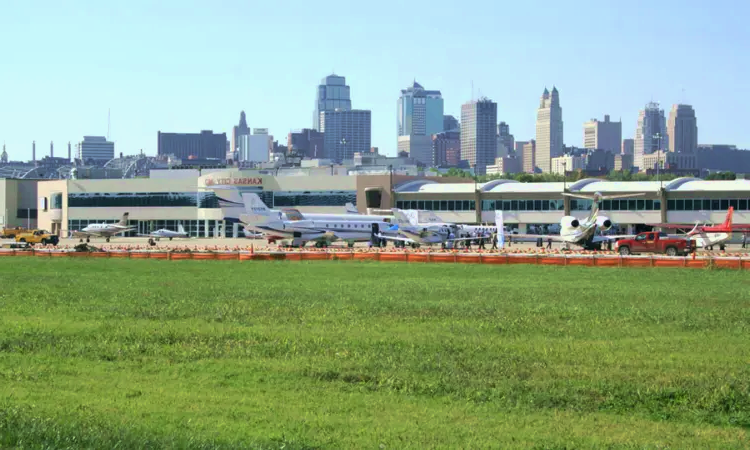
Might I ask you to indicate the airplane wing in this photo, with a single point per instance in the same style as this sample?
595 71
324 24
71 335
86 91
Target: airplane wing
610 197
147 235
394 238
611 237
83 234
351 209
554 237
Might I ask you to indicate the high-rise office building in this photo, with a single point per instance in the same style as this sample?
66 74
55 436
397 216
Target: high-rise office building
505 141
549 129
333 94
446 148
205 144
519 148
528 157
418 147
628 147
239 130
682 129
604 135
650 134
478 134
450 123
420 112
306 143
96 148
256 147
345 132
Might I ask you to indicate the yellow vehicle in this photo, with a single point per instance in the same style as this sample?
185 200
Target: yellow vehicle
38 237
8 233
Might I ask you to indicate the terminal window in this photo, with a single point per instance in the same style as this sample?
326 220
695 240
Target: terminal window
314 198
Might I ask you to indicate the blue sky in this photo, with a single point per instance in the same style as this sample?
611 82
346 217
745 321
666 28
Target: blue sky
183 66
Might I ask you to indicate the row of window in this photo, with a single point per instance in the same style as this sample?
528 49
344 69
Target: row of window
529 205
141 199
200 199
437 205
739 204
194 228
26 213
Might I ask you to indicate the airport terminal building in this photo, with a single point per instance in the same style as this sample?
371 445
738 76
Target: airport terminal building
209 204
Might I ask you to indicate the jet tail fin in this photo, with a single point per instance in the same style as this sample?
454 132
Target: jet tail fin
351 209
728 221
180 229
124 221
432 217
400 218
254 205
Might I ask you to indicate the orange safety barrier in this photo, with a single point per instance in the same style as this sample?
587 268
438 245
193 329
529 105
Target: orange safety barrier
604 260
418 257
365 256
393 257
202 256
607 262
636 262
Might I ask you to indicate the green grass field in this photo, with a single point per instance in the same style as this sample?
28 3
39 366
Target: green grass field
139 354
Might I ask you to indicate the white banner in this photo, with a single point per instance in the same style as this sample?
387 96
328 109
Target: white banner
500 229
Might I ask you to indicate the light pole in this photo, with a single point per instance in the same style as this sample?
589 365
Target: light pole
343 142
565 174
657 136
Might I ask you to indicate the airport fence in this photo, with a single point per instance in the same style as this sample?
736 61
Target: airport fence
547 259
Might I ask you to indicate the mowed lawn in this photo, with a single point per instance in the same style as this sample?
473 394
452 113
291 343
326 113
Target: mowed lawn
194 354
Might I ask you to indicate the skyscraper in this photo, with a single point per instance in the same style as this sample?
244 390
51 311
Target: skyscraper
603 135
205 144
450 123
420 112
528 157
418 147
478 133
446 148
239 130
549 129
96 148
628 147
345 132
333 94
682 129
650 134
505 140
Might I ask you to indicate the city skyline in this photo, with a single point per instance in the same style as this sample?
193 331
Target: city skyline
151 82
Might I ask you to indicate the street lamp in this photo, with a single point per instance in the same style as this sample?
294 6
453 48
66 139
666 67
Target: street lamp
658 158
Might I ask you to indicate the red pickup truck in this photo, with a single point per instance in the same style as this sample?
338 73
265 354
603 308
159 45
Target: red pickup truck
654 242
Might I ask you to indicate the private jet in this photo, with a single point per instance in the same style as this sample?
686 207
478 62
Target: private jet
706 236
165 233
105 230
583 233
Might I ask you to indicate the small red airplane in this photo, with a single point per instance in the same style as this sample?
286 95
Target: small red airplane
709 235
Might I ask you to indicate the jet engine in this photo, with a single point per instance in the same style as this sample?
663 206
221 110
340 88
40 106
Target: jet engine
569 222
603 223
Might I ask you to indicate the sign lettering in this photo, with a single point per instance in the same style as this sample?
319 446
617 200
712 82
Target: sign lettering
246 181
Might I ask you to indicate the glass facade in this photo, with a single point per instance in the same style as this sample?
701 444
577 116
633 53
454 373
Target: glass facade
141 199
26 213
194 228
312 198
437 205
529 205
706 204
56 200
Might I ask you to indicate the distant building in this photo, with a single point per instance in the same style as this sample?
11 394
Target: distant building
623 162
568 163
306 143
420 112
505 141
333 94
239 130
256 147
628 146
549 129
519 148
4 156
528 157
508 164
205 144
417 147
96 148
670 160
346 132
650 134
478 133
450 123
600 160
604 135
446 149
724 158
682 129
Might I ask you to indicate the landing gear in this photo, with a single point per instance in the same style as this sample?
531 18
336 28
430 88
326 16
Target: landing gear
88 240
107 239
